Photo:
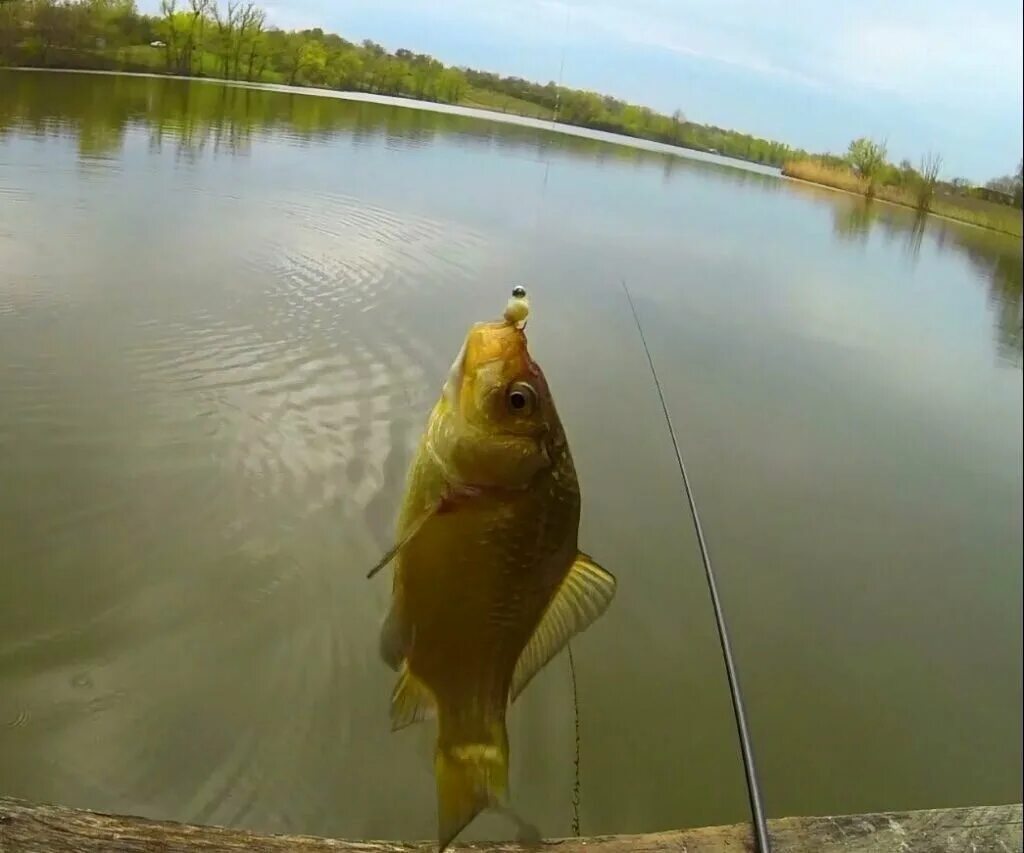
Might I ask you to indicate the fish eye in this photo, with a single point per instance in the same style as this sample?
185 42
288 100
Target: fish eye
521 398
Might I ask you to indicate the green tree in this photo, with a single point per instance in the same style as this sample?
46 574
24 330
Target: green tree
867 158
306 59
346 70
182 32
451 85
53 26
14 20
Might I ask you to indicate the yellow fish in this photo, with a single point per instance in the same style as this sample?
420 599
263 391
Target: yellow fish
489 583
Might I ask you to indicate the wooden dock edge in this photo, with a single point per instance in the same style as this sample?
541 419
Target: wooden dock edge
33 828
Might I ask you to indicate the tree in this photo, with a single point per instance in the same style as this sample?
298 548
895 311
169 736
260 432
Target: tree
306 58
256 43
451 85
250 23
867 158
54 27
225 23
13 22
928 177
1009 184
182 33
197 23
345 70
678 120
1002 184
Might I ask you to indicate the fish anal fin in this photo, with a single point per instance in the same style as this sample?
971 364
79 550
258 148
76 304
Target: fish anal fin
411 700
584 594
394 634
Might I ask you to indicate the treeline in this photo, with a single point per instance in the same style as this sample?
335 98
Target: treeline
603 112
99 113
233 41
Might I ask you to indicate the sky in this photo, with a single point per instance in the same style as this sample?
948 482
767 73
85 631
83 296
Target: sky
941 75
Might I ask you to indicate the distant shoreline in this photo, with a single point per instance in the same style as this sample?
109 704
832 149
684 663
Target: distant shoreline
999 219
520 120
408 102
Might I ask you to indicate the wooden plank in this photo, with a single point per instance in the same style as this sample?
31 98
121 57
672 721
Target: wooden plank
32 828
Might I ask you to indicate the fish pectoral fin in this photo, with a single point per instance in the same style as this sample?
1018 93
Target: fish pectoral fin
411 700
454 497
405 539
394 634
584 594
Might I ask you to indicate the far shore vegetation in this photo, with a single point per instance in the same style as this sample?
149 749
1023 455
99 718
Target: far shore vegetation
230 39
865 171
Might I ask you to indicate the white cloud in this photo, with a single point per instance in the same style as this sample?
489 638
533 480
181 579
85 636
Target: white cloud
951 52
912 49
283 16
916 48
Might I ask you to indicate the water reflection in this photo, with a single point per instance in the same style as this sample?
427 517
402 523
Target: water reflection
852 220
224 314
996 258
672 165
1003 271
197 117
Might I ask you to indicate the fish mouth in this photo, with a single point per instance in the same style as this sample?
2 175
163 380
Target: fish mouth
486 343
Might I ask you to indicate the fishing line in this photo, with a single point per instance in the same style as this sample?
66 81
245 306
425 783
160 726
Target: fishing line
761 837
561 68
576 758
575 823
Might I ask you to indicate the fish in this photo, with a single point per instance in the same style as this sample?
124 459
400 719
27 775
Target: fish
489 583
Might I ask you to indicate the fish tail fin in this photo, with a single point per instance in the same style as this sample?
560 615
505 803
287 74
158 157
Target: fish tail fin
470 778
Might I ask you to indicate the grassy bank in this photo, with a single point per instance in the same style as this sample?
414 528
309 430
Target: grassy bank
207 64
486 99
986 214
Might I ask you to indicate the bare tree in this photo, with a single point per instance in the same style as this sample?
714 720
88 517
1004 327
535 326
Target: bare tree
678 119
184 33
931 163
194 41
250 24
255 41
225 23
168 8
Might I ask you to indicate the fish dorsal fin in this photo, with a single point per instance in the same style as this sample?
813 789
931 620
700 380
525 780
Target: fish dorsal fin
583 595
411 700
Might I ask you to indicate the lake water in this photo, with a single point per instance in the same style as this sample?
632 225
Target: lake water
224 315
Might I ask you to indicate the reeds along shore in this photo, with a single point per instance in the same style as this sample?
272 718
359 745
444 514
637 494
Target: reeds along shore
998 217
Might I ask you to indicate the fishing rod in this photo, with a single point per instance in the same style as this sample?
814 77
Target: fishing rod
761 838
